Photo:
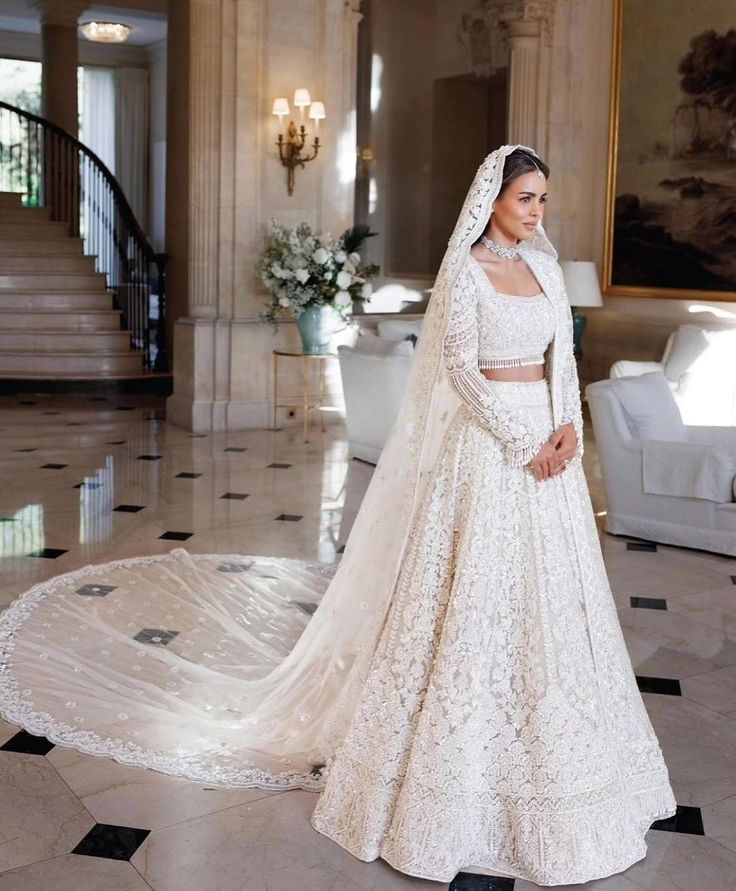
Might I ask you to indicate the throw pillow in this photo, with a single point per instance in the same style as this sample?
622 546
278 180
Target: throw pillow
650 405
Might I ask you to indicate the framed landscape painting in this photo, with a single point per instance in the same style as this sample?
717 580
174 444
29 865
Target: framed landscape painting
671 198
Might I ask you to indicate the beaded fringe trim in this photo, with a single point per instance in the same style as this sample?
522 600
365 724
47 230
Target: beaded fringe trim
484 364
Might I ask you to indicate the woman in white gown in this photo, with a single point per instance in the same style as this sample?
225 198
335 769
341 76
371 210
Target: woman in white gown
462 694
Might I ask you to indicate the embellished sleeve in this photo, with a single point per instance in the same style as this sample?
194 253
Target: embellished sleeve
521 443
572 411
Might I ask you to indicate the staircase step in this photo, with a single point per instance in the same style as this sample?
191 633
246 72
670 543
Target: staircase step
24 214
43 229
67 320
29 247
69 364
50 281
57 300
42 341
47 263
11 199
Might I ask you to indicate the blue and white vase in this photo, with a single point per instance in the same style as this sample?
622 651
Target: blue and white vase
316 326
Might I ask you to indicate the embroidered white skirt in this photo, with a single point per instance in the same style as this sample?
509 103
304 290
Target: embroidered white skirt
500 727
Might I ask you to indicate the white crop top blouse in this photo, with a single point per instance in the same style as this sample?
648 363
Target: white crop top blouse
512 329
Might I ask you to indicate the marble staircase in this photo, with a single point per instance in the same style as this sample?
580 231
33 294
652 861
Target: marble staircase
56 315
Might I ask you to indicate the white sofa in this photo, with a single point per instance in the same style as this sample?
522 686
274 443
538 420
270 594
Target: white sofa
664 480
375 372
700 367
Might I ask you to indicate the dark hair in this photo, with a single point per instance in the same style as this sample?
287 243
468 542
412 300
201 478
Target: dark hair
518 163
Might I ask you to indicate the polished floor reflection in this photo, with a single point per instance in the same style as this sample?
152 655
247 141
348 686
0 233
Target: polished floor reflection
89 480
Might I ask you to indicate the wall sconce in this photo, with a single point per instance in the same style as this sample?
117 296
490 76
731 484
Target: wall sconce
290 149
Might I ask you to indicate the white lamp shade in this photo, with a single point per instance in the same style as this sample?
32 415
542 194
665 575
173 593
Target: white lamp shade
281 105
581 283
317 111
301 97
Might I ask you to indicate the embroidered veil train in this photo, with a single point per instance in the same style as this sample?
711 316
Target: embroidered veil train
250 670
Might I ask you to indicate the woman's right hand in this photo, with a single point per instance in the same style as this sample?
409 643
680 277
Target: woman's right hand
546 463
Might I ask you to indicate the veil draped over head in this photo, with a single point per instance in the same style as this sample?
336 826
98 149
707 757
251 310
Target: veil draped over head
278 716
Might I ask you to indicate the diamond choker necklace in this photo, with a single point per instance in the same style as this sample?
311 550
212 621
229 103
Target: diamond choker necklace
508 253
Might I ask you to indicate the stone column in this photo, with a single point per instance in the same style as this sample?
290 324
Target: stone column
529 28
226 183
60 58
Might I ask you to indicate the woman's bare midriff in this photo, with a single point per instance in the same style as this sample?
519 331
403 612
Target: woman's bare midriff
517 373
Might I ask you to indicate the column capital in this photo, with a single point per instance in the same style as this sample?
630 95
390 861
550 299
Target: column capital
527 18
61 12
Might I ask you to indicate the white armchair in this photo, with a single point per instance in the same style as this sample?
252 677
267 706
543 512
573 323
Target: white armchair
664 480
699 366
375 373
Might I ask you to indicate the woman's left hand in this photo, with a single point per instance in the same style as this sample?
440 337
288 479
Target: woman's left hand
565 441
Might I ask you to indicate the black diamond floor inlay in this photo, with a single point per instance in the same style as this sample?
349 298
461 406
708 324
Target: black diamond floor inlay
48 553
641 546
129 508
27 744
466 881
112 842
25 450
667 686
305 606
687 819
234 449
158 636
96 590
117 442
279 466
234 496
733 579
87 485
649 603
27 402
289 518
176 536
124 408
234 567
187 475
53 466
149 457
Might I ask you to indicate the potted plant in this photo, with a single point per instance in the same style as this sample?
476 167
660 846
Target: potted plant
315 278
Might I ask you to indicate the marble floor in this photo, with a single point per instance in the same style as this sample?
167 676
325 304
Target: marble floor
85 480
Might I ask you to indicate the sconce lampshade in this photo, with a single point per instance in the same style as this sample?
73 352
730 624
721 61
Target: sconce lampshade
280 106
301 97
317 111
581 283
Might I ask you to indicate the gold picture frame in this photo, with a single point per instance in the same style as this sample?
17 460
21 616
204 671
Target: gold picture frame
664 200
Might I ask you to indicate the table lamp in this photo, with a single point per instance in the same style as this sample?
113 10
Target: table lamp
583 289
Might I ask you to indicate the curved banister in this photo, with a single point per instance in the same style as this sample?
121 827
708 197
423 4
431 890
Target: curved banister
54 169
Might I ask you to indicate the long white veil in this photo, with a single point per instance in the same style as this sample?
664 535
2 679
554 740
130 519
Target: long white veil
256 693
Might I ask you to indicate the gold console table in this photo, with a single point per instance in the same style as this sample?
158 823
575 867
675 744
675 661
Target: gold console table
308 360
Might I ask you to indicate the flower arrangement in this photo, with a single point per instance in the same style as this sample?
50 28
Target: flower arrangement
302 269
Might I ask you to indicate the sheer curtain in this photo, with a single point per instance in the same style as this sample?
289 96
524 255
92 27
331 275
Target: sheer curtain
131 138
97 127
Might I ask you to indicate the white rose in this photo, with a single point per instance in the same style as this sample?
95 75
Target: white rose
283 301
355 257
301 275
341 257
327 276
344 279
343 298
349 266
367 290
320 256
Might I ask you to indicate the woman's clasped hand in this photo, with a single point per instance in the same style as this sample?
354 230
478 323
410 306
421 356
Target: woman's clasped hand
555 454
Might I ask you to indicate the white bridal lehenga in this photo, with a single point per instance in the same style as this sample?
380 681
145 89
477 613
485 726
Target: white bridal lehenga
457 687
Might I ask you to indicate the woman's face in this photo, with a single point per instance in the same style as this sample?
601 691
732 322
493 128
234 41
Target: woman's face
521 207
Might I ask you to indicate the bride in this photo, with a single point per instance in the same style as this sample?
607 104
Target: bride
457 687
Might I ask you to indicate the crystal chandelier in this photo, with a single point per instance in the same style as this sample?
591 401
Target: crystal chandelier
106 32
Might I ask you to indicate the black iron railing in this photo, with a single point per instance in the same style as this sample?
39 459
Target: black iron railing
50 168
